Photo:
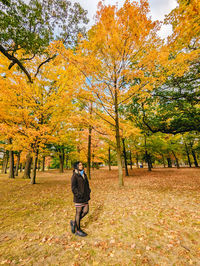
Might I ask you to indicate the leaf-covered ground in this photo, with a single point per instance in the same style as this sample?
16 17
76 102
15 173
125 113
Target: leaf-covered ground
153 220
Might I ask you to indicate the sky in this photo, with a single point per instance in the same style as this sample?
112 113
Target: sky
159 8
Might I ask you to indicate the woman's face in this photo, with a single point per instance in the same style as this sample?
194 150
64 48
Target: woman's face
80 166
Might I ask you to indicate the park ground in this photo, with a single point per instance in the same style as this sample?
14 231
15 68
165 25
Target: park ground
153 220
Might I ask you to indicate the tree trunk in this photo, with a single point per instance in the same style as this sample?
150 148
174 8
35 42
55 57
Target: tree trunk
150 161
147 156
62 158
169 162
176 159
125 159
194 156
20 167
43 163
18 163
89 145
5 162
38 165
163 161
93 161
66 160
11 161
109 159
119 159
188 155
27 169
89 152
117 136
33 177
131 163
123 162
137 160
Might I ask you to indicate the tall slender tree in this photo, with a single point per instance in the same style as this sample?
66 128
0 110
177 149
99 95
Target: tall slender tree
116 59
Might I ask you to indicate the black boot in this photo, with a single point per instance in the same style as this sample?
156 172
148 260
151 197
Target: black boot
83 231
72 224
79 232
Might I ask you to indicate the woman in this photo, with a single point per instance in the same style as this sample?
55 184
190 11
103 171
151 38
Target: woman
81 190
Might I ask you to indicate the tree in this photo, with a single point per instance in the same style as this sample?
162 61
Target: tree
116 59
26 30
174 106
32 113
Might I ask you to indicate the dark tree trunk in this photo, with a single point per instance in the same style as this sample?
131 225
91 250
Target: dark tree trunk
125 159
117 137
18 163
169 162
93 161
188 155
137 160
5 162
109 159
89 152
176 159
20 167
11 161
43 163
33 177
195 158
27 169
131 163
150 161
62 159
147 156
119 158
67 160
163 161
194 155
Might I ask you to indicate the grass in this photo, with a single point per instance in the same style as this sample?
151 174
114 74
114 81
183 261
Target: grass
152 220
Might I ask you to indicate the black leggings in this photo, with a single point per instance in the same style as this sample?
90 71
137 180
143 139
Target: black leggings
80 213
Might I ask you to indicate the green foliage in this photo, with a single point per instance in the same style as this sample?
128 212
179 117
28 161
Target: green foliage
31 26
26 30
55 163
171 108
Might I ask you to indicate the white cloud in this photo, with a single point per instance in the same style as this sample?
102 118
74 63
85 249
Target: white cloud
159 8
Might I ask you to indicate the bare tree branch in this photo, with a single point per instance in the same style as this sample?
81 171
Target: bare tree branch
44 62
15 61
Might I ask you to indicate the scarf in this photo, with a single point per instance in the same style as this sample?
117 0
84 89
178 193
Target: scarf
82 172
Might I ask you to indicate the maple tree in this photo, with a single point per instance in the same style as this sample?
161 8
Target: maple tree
33 113
185 24
115 61
105 94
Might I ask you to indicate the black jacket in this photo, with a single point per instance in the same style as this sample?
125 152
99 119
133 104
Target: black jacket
80 187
